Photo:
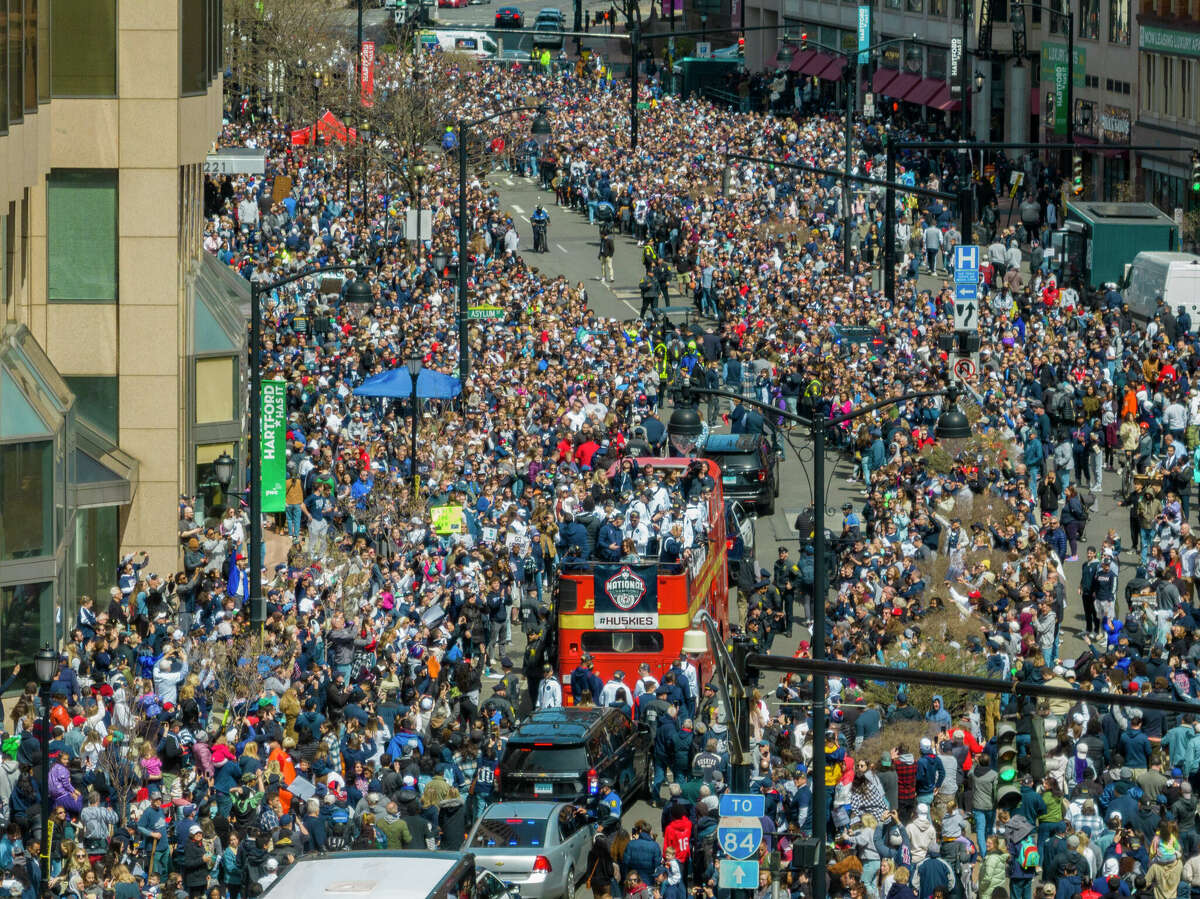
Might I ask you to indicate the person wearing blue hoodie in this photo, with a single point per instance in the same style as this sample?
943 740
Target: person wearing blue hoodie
938 714
930 772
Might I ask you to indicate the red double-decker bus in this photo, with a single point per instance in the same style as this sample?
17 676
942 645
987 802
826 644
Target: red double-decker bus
624 614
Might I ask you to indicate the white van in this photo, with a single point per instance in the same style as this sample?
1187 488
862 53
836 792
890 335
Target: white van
472 43
1173 276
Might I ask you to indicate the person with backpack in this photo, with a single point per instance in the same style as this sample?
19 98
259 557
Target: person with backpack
1024 857
339 831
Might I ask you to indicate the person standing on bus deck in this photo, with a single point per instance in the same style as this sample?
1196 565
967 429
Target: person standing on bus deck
636 530
608 540
549 694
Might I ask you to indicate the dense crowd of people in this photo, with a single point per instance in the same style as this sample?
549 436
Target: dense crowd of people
191 754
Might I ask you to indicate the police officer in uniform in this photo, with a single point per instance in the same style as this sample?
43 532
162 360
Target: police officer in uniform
540 222
648 287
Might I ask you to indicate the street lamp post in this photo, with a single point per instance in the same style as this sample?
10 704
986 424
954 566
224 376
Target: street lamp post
414 370
364 140
357 291
952 424
540 131
45 666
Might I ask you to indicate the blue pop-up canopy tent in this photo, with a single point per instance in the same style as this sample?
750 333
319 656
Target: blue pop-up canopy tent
397 383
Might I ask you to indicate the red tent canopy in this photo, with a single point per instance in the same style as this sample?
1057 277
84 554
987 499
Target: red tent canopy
328 125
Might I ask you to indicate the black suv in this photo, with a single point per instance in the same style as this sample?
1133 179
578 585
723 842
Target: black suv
747 465
563 754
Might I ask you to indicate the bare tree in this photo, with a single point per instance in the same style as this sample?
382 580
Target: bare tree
274 49
122 775
229 670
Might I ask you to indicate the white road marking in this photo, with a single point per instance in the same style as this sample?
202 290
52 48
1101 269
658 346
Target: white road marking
516 208
561 248
524 218
508 181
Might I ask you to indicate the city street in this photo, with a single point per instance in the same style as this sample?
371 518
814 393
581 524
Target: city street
573 248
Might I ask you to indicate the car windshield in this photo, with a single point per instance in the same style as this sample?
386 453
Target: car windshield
510 833
549 759
736 460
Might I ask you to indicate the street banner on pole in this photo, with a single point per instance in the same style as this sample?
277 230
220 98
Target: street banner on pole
864 35
274 444
367 69
1055 71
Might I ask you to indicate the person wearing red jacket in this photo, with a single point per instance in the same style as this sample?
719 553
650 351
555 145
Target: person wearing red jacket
678 836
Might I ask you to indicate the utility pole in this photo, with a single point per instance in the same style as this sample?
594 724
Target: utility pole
851 90
634 37
1070 73
889 224
965 185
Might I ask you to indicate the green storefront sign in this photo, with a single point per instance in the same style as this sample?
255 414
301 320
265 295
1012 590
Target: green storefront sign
1164 40
274 444
1054 76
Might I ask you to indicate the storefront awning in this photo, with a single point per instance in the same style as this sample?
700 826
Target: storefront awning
883 77
816 63
941 100
925 91
105 475
833 71
899 87
799 60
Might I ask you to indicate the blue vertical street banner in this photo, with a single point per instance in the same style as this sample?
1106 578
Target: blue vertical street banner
864 34
626 597
274 444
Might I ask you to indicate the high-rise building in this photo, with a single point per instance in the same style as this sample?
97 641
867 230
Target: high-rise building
1167 108
120 353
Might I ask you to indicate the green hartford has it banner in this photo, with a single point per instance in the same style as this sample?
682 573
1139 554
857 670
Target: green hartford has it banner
274 444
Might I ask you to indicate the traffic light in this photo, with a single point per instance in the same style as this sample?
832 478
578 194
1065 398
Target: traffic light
741 45
1196 171
1008 786
803 40
1077 174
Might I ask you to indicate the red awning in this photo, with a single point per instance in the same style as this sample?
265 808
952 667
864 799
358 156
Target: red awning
882 78
899 87
816 63
925 91
801 57
833 71
941 100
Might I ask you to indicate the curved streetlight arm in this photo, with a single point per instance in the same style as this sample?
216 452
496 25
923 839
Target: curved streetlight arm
951 392
259 287
495 115
838 51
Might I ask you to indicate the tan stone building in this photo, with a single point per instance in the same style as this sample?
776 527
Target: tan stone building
115 330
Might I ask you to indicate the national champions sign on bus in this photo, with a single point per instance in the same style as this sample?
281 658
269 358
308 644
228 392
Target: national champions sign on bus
626 597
